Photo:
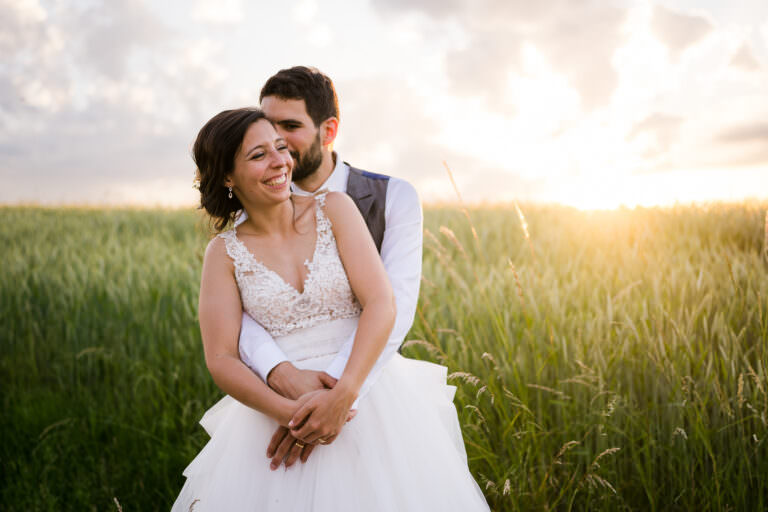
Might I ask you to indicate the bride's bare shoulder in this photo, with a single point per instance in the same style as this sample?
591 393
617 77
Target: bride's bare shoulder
339 204
216 252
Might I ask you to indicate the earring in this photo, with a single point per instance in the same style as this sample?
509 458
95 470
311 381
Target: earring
230 193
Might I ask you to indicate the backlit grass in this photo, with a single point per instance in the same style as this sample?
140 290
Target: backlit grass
609 361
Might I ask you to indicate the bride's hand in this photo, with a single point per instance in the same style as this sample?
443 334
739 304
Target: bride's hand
300 401
322 415
283 448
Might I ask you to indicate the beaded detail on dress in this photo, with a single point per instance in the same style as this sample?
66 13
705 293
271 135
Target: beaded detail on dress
277 305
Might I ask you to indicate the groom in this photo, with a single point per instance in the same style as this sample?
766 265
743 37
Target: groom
302 104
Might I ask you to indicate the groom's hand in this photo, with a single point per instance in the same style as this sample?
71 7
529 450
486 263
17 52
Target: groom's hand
283 448
292 382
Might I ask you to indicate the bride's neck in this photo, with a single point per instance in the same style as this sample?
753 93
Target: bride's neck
269 220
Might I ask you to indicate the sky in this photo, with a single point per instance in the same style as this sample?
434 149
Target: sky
587 103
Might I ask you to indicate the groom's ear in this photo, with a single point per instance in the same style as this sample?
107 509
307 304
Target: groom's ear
328 130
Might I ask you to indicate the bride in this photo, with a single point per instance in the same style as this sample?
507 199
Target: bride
309 272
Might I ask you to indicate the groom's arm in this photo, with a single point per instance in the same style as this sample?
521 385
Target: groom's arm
401 254
261 354
258 349
401 250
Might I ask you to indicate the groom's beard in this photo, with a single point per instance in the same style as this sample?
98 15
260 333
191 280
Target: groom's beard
306 164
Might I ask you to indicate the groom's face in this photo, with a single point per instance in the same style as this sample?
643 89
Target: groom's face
299 131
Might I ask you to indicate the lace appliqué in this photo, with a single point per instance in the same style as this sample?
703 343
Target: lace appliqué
277 305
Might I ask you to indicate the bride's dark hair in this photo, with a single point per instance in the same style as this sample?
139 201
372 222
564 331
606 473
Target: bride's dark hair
214 153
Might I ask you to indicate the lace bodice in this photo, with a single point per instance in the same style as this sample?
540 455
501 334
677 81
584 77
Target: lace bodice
277 305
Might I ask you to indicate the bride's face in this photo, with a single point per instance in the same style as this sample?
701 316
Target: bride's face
262 172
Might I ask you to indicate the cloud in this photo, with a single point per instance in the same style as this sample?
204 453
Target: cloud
94 97
662 129
678 31
581 45
745 59
577 39
741 145
33 74
98 98
115 33
481 69
226 12
439 9
20 24
385 128
745 133
754 157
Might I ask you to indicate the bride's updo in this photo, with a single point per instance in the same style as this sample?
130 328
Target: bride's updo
214 153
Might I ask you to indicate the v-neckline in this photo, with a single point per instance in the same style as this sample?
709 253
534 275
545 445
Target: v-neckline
307 262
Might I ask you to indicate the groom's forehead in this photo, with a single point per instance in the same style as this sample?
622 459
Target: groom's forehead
277 107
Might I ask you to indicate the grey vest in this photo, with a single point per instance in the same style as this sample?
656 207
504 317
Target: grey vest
369 193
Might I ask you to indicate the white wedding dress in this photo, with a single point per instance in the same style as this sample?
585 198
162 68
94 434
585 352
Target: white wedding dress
403 451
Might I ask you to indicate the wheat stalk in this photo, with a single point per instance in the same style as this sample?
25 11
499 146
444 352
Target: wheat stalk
557 461
517 283
524 225
461 202
465 376
765 239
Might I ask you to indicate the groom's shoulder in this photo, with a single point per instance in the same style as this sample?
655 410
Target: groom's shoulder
367 174
396 186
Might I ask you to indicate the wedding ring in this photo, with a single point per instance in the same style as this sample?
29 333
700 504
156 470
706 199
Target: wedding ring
322 441
300 444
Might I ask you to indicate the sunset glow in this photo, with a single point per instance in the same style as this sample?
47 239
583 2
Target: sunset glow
595 106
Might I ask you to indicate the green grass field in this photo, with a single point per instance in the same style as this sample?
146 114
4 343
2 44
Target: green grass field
607 361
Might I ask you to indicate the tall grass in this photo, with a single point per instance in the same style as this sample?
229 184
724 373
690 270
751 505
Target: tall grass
619 363
604 360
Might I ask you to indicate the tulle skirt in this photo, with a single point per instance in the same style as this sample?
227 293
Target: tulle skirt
403 451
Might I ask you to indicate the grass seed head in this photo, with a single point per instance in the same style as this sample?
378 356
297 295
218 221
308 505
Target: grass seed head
465 376
765 239
740 391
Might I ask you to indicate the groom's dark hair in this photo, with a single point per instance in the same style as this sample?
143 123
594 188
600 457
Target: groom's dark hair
308 84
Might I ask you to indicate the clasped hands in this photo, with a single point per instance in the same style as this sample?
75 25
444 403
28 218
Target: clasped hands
322 408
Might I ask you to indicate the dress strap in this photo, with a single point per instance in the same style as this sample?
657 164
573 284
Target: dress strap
235 249
323 223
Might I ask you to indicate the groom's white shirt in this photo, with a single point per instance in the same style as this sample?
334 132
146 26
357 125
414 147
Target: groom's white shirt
401 250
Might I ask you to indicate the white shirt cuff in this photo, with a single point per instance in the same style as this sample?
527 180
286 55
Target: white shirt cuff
262 359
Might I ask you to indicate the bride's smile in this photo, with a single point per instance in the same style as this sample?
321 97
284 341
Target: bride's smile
277 182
